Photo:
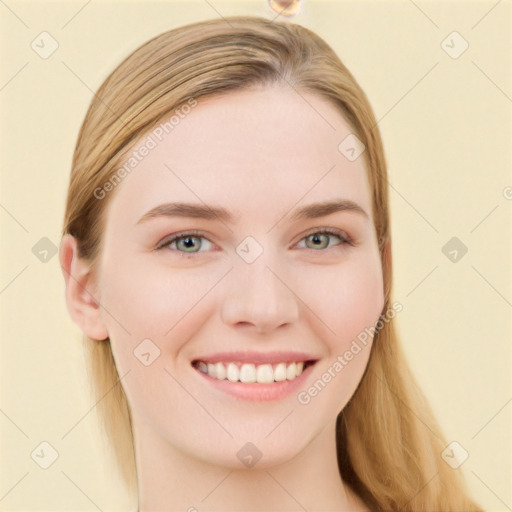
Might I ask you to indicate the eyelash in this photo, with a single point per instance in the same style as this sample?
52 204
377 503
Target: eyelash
344 238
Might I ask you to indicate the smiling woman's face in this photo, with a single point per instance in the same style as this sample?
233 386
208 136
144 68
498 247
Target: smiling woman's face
259 285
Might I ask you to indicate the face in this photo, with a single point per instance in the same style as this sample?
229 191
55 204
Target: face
250 290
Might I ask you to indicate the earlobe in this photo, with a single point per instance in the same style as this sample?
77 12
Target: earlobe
83 307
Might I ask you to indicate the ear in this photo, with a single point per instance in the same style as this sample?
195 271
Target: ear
82 305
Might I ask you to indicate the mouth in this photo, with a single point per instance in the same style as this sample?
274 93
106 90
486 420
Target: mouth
251 373
255 377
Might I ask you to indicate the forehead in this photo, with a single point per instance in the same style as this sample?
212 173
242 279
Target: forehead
251 151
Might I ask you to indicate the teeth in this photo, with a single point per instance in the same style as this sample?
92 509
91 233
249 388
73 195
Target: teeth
290 371
280 372
220 371
250 373
264 374
232 373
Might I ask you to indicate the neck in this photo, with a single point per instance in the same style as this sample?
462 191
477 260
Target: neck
172 479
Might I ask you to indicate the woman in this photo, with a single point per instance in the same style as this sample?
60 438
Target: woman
226 250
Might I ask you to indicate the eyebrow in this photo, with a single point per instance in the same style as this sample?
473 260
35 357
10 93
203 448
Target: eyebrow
203 211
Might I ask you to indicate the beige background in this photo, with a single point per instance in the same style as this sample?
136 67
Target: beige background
447 133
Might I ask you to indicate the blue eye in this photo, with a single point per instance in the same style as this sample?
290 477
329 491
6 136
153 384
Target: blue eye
191 241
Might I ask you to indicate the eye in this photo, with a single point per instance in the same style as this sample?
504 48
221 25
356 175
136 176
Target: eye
189 242
192 241
318 240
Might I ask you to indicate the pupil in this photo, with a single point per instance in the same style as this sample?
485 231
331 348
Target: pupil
317 239
189 242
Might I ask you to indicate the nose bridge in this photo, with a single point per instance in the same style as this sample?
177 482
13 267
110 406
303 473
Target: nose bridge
257 295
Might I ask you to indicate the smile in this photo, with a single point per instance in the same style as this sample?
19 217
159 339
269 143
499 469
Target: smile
250 373
255 375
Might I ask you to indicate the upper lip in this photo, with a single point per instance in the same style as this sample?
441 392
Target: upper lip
257 357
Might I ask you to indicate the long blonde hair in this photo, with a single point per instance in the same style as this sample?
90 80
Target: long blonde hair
388 443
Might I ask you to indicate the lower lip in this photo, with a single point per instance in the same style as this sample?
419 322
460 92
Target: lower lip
259 392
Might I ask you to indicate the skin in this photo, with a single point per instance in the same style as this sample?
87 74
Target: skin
260 153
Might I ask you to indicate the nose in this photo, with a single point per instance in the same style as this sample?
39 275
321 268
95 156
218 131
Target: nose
259 298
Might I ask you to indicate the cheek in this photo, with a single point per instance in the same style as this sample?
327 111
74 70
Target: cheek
151 299
346 298
149 302
348 303
152 314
